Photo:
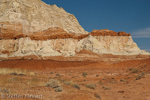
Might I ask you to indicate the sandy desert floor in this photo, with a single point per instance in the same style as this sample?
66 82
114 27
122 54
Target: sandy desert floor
59 80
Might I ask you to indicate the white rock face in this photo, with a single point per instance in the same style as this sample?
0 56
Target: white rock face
35 15
116 45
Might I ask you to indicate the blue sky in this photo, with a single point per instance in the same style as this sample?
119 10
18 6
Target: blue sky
131 16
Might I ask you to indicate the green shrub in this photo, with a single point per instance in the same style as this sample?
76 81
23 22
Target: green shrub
91 86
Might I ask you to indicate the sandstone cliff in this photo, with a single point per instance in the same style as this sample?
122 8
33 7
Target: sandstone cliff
33 29
35 15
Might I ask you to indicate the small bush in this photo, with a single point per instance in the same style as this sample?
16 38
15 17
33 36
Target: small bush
13 74
91 86
135 70
139 76
122 80
51 72
97 75
58 89
58 74
104 78
53 83
68 83
97 96
106 88
130 69
76 86
84 74
4 91
112 82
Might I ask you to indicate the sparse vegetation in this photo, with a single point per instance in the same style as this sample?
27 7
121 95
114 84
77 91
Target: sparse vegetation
112 78
112 82
68 82
58 74
4 90
53 83
135 70
84 74
106 88
58 89
122 80
91 86
97 75
139 76
76 86
51 72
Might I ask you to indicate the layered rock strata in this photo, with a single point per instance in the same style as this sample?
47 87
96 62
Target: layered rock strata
31 29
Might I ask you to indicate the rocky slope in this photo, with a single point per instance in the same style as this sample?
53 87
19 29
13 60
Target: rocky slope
30 29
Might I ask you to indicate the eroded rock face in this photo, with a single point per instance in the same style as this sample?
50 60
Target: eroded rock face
33 29
35 15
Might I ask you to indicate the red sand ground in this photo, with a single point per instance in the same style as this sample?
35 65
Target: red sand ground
99 73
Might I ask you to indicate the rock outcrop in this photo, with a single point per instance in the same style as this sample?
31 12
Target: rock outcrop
33 29
35 15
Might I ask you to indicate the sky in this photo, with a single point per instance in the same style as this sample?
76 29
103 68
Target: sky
131 16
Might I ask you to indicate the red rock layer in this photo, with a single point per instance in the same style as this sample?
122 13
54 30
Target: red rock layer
15 31
107 32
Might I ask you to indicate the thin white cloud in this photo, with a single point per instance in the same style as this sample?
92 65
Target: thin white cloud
141 33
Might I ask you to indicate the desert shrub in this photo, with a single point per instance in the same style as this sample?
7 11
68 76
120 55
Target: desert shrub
69 74
13 74
97 96
68 82
76 86
58 74
139 76
4 91
58 89
112 82
130 69
104 78
97 75
106 88
51 72
84 74
122 80
91 86
53 83
135 70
